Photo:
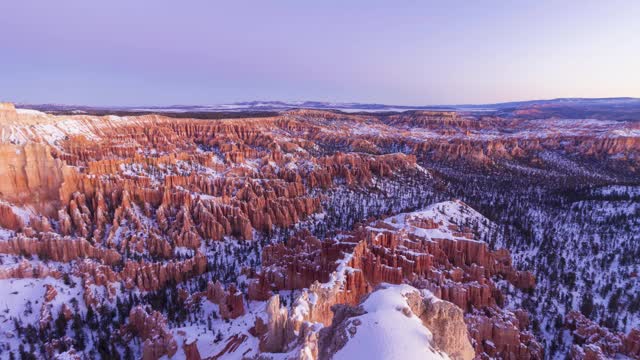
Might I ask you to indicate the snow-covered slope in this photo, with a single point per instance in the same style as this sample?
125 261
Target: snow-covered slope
389 330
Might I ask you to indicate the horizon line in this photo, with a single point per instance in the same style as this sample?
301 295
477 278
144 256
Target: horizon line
289 103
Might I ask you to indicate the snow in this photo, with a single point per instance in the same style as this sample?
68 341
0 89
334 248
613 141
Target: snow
618 190
627 132
386 332
6 234
207 346
23 298
302 308
183 251
23 212
339 275
30 112
446 214
67 355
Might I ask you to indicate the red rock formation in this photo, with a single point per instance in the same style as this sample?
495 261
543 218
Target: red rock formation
53 247
154 276
499 334
272 334
190 348
45 317
632 344
66 312
151 327
596 342
50 293
29 175
26 269
588 352
125 199
446 323
230 301
297 264
142 275
457 269
8 218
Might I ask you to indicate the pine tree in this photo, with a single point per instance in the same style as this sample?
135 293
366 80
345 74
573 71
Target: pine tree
61 325
91 318
79 335
219 337
586 307
128 354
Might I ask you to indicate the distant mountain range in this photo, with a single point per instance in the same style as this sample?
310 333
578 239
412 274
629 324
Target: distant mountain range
620 109
347 107
244 106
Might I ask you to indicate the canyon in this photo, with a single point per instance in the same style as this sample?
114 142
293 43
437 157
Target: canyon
320 234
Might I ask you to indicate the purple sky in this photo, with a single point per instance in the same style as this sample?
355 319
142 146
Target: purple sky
161 52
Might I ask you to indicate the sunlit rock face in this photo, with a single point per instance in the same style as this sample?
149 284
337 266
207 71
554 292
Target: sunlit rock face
308 234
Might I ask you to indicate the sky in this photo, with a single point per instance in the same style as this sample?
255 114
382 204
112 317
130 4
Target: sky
198 52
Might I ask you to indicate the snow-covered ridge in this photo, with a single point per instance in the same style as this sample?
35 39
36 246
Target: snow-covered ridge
386 332
27 125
